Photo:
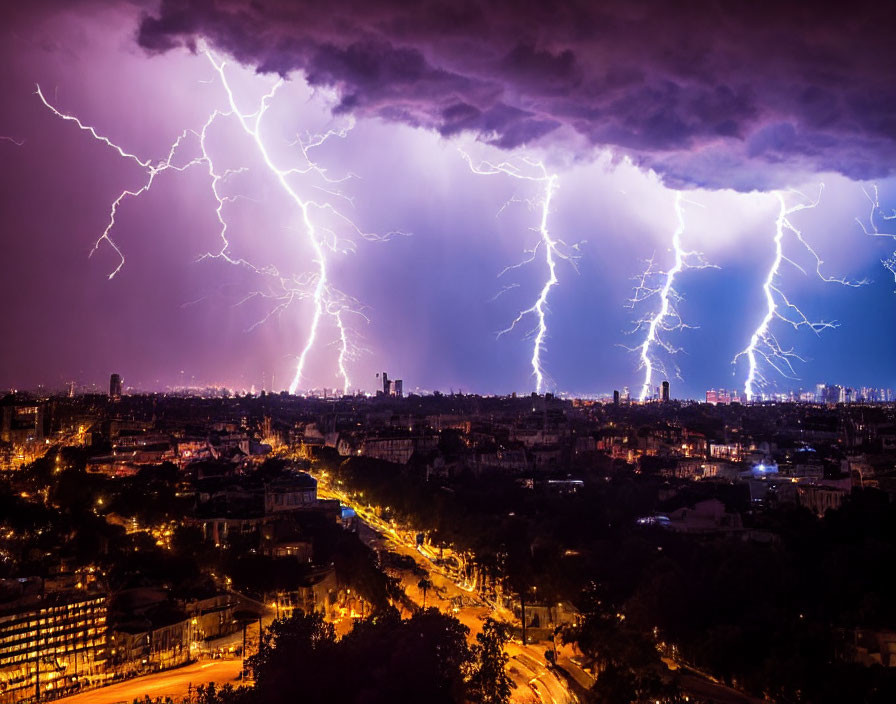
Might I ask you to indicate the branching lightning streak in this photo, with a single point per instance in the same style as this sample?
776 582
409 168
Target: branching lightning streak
321 284
530 170
764 345
667 318
152 170
17 142
327 300
872 230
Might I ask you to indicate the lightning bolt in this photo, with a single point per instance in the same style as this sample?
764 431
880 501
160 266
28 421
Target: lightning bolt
283 289
320 290
764 345
17 142
666 319
554 249
150 169
326 299
872 229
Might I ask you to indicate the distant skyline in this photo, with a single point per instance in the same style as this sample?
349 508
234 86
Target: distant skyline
464 152
200 389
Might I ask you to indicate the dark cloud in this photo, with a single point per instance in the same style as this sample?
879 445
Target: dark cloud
708 92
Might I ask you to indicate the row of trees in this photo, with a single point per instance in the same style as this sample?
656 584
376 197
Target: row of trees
383 660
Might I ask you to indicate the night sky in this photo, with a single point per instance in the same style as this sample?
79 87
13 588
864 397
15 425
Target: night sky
625 104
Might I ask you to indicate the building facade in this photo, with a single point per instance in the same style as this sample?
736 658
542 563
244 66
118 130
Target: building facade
51 644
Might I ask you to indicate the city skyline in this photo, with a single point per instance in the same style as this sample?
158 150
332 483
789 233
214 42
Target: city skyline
820 393
427 274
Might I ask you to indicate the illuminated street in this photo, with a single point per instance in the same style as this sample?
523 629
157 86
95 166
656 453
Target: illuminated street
527 668
532 678
176 684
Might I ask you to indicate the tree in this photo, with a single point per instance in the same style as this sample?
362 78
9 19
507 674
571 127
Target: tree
227 694
296 654
627 659
489 682
424 585
356 568
421 659
383 660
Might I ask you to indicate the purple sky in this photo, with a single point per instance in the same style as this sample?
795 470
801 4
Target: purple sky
622 104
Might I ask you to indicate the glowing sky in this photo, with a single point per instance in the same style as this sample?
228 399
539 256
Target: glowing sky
623 103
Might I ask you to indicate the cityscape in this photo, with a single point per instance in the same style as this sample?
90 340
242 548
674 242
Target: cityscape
158 543
459 352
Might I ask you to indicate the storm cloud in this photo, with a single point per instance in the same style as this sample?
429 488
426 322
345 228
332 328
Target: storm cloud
738 94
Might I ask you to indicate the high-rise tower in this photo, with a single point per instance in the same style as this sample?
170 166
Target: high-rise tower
115 387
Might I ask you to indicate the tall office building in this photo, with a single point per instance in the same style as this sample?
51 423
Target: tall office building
115 387
616 397
391 387
665 396
832 394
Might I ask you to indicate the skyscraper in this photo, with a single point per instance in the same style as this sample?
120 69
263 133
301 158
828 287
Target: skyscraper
115 387
665 396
